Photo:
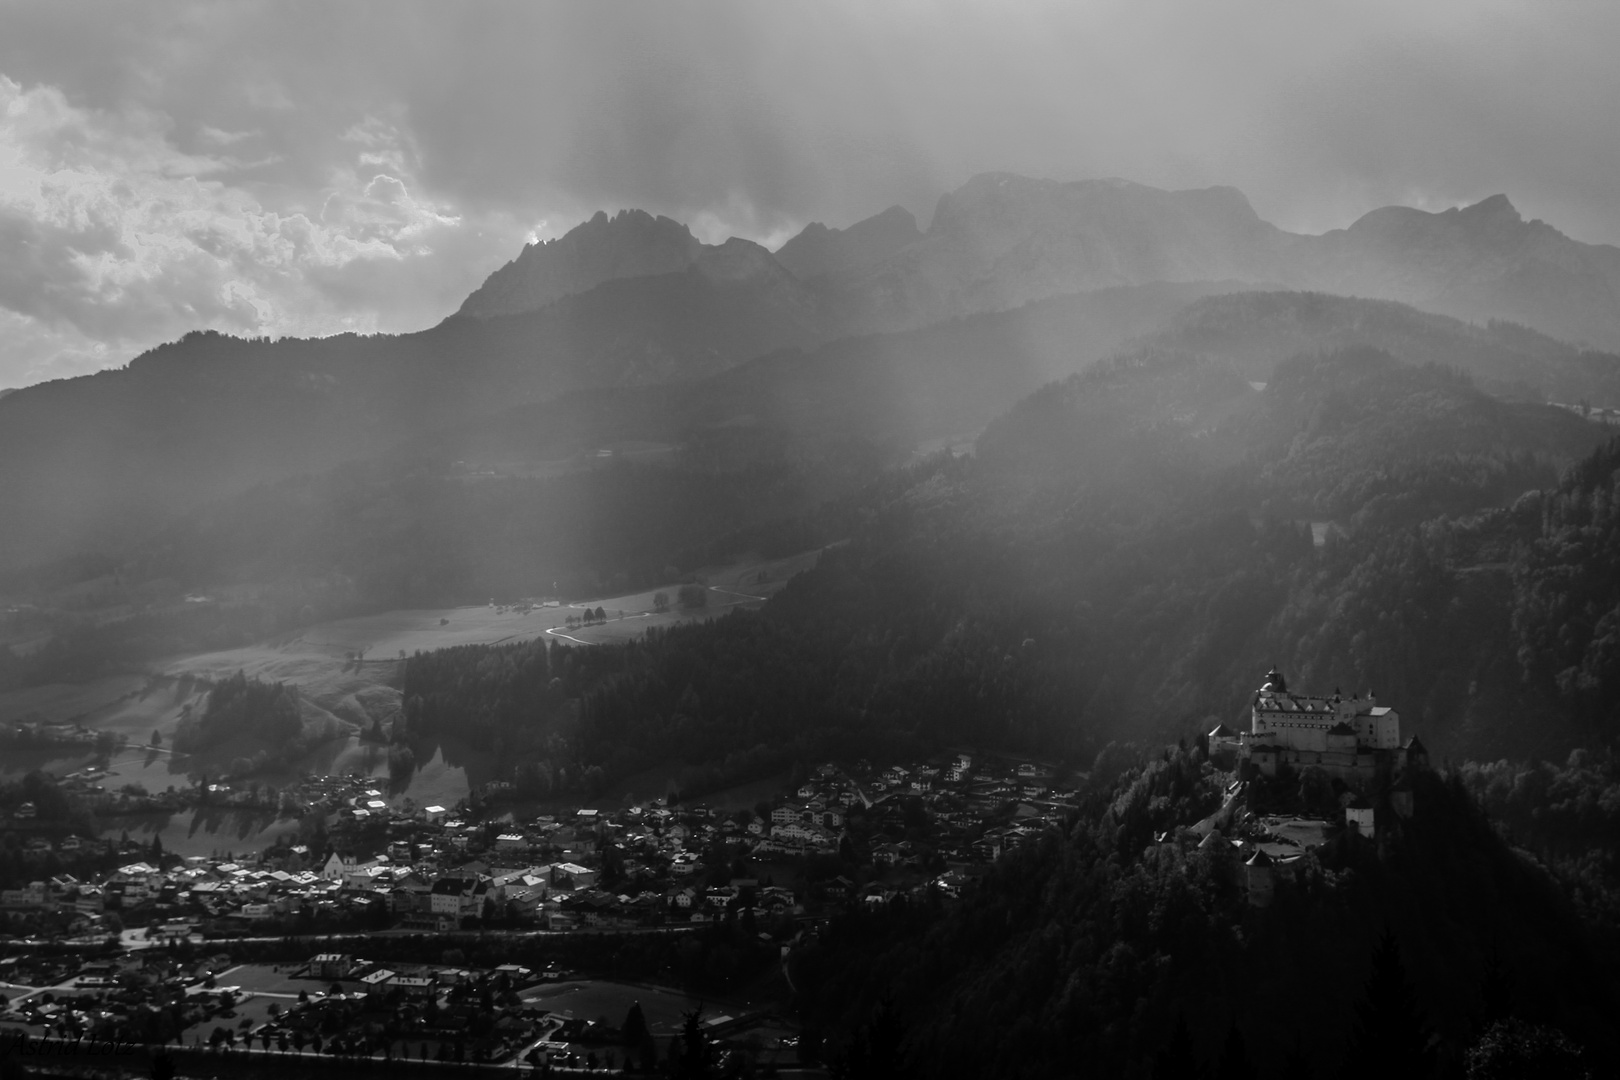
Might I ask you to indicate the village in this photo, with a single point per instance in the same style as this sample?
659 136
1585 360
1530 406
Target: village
859 834
156 933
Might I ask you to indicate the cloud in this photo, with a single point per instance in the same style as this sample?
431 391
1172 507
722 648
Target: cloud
115 238
299 167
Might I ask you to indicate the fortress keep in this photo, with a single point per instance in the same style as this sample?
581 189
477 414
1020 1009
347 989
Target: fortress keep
1348 737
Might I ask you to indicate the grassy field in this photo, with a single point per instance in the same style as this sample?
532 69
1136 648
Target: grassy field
595 999
349 693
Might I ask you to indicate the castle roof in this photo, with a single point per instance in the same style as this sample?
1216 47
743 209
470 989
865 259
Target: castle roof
1221 731
1259 858
1413 746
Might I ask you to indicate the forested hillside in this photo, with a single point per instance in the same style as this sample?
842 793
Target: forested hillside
1122 560
1105 951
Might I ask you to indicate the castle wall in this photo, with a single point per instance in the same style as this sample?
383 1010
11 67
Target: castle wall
1386 729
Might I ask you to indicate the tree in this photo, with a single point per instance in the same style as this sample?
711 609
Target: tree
876 1049
1390 1036
1234 1060
694 1048
635 1026
660 602
1176 1061
157 739
693 597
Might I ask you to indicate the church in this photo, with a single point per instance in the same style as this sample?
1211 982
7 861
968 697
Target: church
1348 737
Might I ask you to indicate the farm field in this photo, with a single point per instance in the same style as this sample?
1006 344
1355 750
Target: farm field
348 671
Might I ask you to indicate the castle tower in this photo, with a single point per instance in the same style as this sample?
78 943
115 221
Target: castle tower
1257 877
1359 816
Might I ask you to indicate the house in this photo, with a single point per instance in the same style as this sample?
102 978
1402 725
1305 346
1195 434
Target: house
580 877
415 986
31 895
410 894
436 815
523 901
377 982
332 966
450 895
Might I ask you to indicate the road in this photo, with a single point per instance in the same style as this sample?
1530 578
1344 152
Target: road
742 598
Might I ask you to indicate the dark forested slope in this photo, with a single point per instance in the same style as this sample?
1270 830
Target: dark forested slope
1121 558
1082 955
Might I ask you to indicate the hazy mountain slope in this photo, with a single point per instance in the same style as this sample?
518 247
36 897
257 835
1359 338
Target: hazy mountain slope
85 462
1001 240
1258 330
210 416
1478 262
894 389
820 250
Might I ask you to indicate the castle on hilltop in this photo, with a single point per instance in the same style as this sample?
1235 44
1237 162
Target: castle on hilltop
1351 738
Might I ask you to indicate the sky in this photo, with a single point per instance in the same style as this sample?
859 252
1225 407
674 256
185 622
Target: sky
311 168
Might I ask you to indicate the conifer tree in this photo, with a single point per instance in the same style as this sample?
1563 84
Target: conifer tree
635 1025
694 1049
1234 1060
1176 1060
1391 1037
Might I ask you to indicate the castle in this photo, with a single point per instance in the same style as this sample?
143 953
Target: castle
1351 738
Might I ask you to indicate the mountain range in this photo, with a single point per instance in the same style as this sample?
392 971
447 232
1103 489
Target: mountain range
636 301
1001 240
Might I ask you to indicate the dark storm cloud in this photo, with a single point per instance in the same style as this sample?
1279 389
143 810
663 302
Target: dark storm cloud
305 168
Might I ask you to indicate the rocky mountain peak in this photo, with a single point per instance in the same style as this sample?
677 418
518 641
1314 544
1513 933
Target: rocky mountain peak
631 243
